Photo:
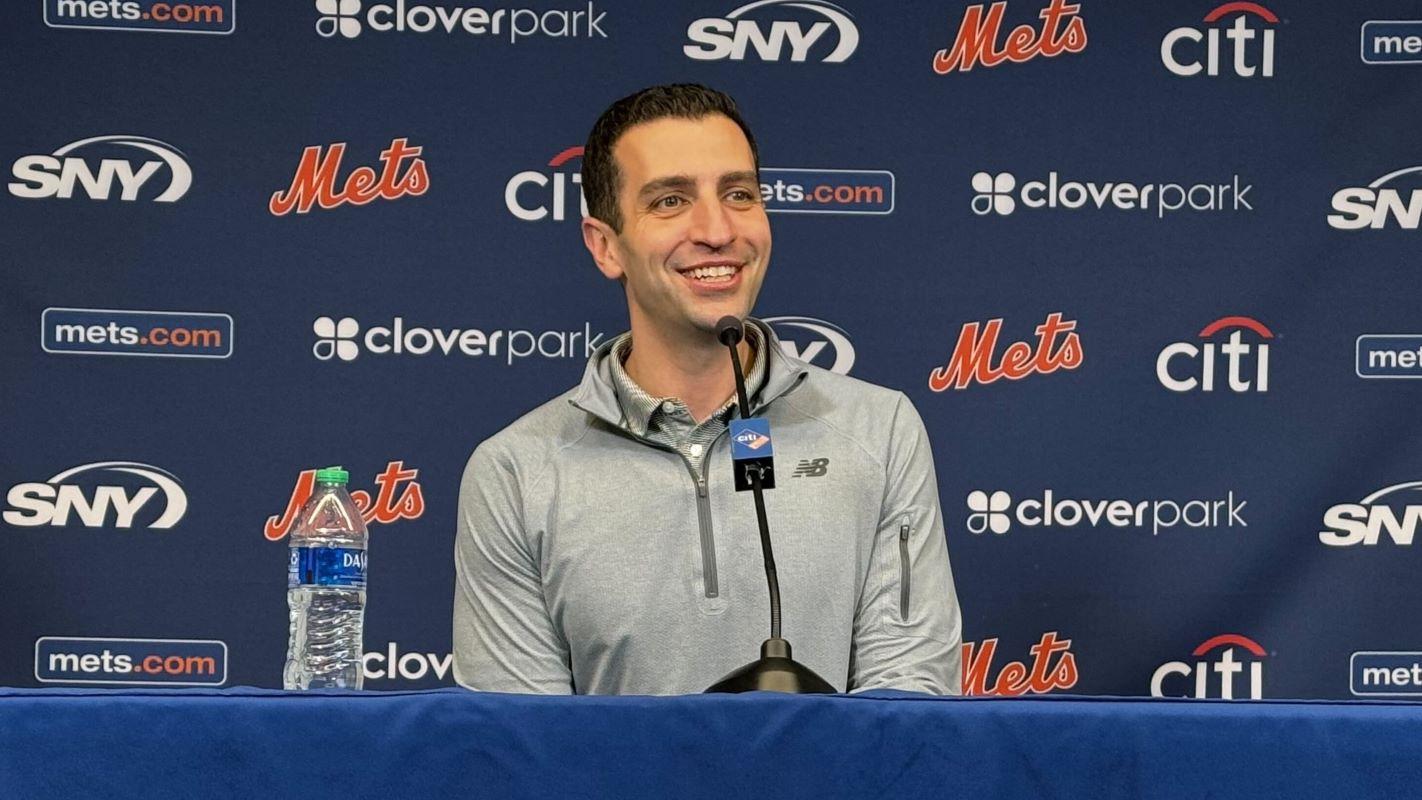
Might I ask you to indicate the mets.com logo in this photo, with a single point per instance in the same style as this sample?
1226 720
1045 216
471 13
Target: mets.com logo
997 512
131 662
113 332
210 16
344 17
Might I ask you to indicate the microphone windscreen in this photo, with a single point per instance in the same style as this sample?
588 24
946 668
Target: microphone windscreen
729 330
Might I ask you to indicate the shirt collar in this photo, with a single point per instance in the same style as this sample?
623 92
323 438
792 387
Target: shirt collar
639 409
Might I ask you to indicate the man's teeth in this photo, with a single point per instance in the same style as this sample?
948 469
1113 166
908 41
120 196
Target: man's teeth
713 274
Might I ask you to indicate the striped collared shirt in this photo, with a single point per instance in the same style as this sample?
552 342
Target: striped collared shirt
667 420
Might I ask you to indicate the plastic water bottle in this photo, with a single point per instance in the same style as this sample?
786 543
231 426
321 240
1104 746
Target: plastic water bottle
326 589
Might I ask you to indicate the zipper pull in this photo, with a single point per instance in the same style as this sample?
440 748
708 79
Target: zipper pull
700 487
904 530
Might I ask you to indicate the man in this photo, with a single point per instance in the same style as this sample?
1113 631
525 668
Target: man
602 547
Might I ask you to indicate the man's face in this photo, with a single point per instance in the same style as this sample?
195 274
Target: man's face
695 240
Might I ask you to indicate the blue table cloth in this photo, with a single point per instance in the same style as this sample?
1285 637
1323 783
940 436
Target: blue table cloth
254 743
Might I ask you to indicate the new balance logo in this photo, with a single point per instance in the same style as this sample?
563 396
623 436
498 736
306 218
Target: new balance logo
811 468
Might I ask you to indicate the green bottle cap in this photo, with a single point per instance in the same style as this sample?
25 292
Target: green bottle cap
333 475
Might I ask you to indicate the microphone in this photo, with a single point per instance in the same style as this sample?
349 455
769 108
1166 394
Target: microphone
751 455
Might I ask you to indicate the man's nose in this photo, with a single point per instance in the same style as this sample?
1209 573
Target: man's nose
712 225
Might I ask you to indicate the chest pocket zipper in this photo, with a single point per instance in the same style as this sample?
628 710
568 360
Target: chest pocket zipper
905 575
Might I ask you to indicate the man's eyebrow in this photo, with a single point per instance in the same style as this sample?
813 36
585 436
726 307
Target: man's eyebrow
656 185
744 176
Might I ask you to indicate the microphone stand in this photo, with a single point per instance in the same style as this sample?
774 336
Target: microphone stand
775 670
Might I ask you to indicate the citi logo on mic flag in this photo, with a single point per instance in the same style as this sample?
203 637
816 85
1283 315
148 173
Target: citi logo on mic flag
750 438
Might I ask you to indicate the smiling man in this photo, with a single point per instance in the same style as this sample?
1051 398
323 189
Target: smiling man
601 545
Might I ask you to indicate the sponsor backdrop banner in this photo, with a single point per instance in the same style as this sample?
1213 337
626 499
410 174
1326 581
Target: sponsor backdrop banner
1148 271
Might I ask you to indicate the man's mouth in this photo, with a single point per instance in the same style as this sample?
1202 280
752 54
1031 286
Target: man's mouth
711 274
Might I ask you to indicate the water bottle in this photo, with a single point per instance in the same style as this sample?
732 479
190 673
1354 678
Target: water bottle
326 589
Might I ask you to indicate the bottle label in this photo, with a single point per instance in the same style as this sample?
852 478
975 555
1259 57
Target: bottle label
326 566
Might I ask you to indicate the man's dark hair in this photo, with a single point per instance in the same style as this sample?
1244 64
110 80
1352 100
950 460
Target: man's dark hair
601 178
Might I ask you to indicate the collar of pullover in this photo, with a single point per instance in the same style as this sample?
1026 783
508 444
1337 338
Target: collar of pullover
597 393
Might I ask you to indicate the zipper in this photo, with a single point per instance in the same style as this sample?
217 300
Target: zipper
710 579
703 517
904 573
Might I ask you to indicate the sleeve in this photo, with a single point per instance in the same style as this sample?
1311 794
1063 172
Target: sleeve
908 629
504 640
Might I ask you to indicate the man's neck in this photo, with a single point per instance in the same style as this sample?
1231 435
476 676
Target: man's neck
695 370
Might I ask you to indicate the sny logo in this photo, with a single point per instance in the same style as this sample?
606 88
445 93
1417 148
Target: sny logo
1363 522
1016 678
972 357
1373 205
823 338
561 201
50 503
1235 350
1240 33
1226 667
717 38
385 508
54 175
978 36
811 468
315 180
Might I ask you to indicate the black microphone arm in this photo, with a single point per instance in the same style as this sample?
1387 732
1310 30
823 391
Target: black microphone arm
775 670
731 331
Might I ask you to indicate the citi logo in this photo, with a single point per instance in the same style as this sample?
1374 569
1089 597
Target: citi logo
752 440
1215 678
343 18
814 341
1184 59
996 512
529 197
1372 206
972 359
997 193
734 35
315 182
1365 521
60 173
341 339
75 492
1200 366
979 35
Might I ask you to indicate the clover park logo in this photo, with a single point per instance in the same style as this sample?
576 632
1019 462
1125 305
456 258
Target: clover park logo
335 338
338 16
994 193
989 512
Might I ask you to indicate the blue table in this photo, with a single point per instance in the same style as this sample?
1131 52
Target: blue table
254 743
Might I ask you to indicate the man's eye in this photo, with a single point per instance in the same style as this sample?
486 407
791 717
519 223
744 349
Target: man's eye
669 202
741 195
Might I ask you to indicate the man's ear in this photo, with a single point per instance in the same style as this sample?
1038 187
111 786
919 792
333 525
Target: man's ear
601 242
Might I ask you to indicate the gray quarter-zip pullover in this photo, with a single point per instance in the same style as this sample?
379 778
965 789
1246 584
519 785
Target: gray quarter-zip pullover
592 560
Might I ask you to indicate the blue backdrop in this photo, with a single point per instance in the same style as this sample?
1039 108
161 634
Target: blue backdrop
1147 270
